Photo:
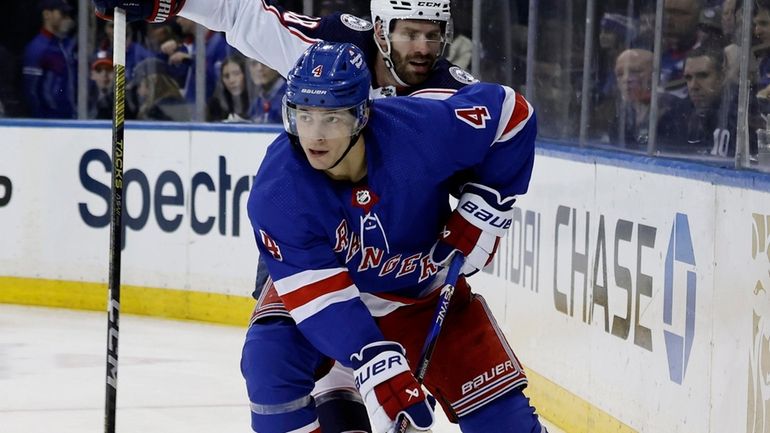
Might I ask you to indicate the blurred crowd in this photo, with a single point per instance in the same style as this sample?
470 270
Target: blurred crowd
40 79
698 87
697 96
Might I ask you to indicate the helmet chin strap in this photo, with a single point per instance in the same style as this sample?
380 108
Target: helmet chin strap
353 141
386 57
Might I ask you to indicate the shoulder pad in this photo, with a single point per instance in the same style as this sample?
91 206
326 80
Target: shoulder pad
355 23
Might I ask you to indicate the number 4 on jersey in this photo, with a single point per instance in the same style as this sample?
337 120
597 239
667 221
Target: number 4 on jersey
476 117
271 246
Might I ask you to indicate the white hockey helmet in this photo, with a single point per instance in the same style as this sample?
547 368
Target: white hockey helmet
430 10
387 10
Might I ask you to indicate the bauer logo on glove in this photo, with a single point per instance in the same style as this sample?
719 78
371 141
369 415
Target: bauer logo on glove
389 388
475 227
484 216
371 370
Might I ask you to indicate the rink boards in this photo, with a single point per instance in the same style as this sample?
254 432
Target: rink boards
635 290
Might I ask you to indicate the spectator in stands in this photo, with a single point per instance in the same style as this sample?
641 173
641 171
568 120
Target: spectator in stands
680 35
729 7
624 120
180 55
158 95
732 22
710 27
230 102
268 90
135 52
157 35
101 91
49 66
217 50
762 49
616 32
705 122
645 37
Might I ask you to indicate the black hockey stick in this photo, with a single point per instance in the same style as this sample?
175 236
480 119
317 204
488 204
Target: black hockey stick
116 223
439 315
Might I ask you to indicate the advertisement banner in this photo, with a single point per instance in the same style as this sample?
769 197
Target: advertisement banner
186 195
642 293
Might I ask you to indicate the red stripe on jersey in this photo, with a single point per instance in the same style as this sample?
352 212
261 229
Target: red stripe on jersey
434 90
520 114
305 294
503 385
300 35
291 30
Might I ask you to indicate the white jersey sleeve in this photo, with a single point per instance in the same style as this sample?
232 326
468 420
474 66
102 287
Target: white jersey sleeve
265 33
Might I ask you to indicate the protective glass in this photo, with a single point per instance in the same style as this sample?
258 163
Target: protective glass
318 123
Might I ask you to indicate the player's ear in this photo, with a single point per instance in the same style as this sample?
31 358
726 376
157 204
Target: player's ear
379 34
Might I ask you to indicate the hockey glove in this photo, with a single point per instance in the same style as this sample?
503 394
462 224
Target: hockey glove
389 388
474 228
152 11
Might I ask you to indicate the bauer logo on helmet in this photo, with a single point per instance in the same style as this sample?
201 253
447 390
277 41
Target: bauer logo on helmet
314 91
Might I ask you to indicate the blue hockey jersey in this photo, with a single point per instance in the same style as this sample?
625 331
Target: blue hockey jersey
50 76
277 37
336 249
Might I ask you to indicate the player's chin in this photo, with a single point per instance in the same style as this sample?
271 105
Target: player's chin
415 78
319 165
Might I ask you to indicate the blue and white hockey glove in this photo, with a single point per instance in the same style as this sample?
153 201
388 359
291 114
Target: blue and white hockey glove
475 227
152 11
389 388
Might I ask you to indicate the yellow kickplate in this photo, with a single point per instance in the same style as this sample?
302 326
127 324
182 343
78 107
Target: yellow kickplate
147 301
568 411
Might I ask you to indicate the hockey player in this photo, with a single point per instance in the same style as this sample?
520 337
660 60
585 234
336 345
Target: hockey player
346 208
403 48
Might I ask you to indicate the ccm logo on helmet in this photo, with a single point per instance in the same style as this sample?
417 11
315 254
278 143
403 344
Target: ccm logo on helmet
429 4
